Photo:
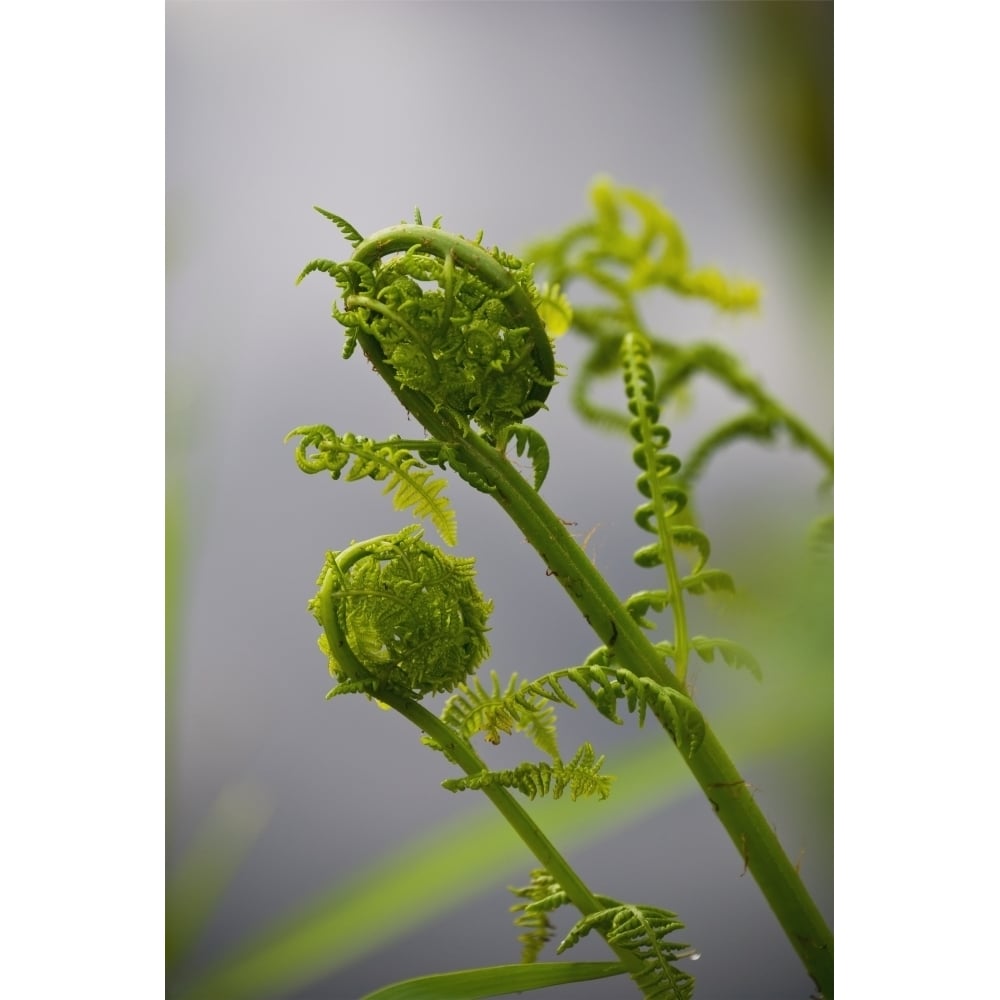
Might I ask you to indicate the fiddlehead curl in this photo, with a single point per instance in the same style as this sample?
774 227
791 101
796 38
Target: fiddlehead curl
411 483
399 614
452 321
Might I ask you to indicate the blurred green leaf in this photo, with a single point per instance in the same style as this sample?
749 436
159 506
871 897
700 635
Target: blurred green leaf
207 867
496 981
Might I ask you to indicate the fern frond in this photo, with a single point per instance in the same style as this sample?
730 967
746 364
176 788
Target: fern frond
581 775
473 709
352 235
732 653
537 900
330 267
409 481
606 686
643 930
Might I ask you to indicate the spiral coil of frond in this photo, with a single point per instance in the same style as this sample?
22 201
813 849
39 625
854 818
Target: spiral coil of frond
399 614
411 483
454 322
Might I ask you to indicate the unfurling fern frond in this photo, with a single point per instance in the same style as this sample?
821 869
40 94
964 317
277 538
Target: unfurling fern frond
606 686
643 930
581 776
474 709
450 321
399 615
538 900
665 499
409 481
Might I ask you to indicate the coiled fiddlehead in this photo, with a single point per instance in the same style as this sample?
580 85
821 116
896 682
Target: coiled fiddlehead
400 615
449 320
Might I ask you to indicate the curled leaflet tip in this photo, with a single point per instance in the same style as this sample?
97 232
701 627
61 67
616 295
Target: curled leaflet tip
691 953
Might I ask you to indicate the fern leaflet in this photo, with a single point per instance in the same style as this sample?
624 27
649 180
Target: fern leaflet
352 235
473 709
405 476
527 439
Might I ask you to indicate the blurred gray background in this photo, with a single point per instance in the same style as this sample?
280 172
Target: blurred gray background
495 116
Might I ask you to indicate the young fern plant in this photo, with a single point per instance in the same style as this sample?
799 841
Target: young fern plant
461 335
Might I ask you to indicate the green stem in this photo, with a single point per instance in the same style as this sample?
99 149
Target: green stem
458 750
728 793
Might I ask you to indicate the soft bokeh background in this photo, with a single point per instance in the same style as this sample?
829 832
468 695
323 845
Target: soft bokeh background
495 116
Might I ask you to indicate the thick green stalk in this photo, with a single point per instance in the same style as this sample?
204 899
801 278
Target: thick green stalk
729 795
